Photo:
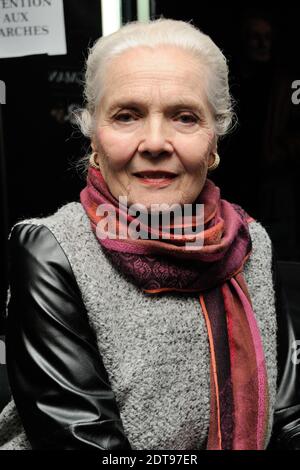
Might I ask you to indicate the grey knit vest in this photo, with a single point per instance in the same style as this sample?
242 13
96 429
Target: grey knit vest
155 349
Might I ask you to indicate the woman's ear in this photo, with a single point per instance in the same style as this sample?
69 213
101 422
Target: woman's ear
214 150
211 158
96 156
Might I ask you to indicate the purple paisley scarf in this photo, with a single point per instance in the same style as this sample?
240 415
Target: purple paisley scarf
212 269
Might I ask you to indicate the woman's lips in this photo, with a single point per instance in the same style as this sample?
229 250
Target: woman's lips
155 181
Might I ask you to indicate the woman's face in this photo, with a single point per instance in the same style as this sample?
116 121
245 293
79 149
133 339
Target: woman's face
154 116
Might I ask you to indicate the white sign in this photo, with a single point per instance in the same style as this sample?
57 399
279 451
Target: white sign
30 27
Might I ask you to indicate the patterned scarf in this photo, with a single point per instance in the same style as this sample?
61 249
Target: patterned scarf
213 270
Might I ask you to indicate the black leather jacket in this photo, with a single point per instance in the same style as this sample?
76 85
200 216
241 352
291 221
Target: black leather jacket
58 380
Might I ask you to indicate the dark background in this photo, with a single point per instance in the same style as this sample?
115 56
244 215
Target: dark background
259 161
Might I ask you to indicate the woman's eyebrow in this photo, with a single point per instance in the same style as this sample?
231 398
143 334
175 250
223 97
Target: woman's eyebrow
178 104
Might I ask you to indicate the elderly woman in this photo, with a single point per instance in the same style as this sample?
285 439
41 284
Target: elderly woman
163 337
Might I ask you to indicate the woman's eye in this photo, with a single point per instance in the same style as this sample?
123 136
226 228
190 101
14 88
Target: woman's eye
184 118
124 117
188 118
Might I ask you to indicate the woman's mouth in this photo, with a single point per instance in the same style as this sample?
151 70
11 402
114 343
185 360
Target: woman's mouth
155 178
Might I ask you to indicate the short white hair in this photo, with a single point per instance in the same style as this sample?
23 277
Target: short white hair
161 31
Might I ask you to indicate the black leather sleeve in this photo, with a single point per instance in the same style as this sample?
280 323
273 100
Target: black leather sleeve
286 428
56 374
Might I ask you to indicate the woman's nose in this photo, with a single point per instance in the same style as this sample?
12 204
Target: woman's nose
155 138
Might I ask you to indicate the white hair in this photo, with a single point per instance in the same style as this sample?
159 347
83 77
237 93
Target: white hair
157 32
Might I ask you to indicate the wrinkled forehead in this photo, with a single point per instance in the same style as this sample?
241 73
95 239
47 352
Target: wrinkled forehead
162 71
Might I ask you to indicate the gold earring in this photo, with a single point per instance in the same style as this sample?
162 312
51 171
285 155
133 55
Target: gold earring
92 161
215 164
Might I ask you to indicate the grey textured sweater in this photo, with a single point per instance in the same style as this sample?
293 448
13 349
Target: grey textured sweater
155 349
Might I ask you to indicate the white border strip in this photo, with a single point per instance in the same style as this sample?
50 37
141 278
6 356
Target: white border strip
111 16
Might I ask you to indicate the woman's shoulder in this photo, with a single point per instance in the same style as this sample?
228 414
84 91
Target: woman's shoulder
70 215
262 247
39 261
67 224
40 240
259 266
261 241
